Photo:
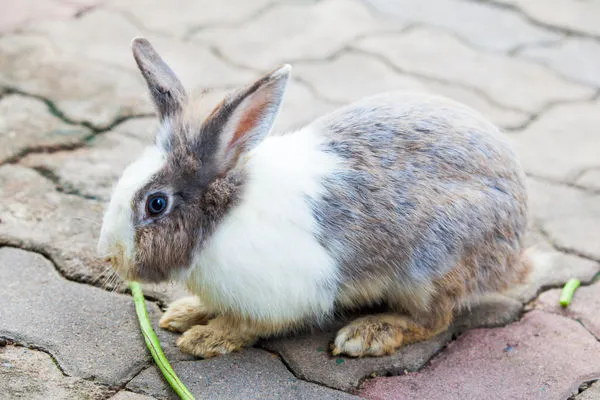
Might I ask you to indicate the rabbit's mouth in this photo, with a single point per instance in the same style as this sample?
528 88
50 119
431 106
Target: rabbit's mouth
120 263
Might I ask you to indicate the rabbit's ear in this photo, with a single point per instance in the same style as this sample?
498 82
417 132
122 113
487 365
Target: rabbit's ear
167 91
244 119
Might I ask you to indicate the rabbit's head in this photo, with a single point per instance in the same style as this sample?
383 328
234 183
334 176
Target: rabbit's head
170 199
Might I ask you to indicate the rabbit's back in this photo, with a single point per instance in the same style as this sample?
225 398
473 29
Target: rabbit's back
424 183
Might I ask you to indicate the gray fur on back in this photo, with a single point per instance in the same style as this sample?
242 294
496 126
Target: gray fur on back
425 181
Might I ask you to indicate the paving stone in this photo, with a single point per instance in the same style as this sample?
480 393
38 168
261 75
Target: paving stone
250 374
546 147
88 38
510 82
583 308
590 179
282 34
553 269
569 216
479 23
353 75
81 89
543 356
27 123
309 357
18 14
66 227
579 16
94 169
92 333
575 58
31 374
181 17
592 393
127 395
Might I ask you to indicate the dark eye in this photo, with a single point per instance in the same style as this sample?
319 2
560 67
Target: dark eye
156 204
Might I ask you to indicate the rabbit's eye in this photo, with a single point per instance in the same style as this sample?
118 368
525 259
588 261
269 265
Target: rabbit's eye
156 204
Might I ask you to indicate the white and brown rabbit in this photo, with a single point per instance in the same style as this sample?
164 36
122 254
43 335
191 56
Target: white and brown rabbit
408 201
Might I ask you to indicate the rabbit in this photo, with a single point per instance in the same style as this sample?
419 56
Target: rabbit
409 202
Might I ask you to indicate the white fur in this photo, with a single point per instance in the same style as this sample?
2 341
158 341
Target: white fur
118 232
264 260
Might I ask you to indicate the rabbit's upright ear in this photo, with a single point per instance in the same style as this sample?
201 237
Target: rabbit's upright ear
167 91
241 121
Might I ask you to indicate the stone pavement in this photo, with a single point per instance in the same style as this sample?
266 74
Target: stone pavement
74 111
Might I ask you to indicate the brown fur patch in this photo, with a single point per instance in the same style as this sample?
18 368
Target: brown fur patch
380 334
227 333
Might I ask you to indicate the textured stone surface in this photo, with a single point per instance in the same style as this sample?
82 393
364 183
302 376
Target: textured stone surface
251 374
127 395
592 393
38 217
91 333
590 179
575 58
479 23
66 227
569 216
31 374
353 75
81 89
574 16
182 17
282 34
93 170
510 82
553 269
584 306
309 357
18 14
548 145
88 38
27 124
543 356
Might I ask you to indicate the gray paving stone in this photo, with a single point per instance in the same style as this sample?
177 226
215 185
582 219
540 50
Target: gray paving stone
27 123
66 227
81 89
94 169
590 179
482 24
548 145
578 16
592 393
250 374
31 374
127 395
554 269
570 216
575 58
543 356
510 82
309 357
353 75
180 17
583 308
283 33
87 38
17 15
92 333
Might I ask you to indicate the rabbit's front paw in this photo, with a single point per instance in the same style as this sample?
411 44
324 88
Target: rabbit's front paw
211 340
378 335
184 313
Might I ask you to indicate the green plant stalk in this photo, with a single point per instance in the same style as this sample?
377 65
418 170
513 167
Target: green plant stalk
154 344
568 290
